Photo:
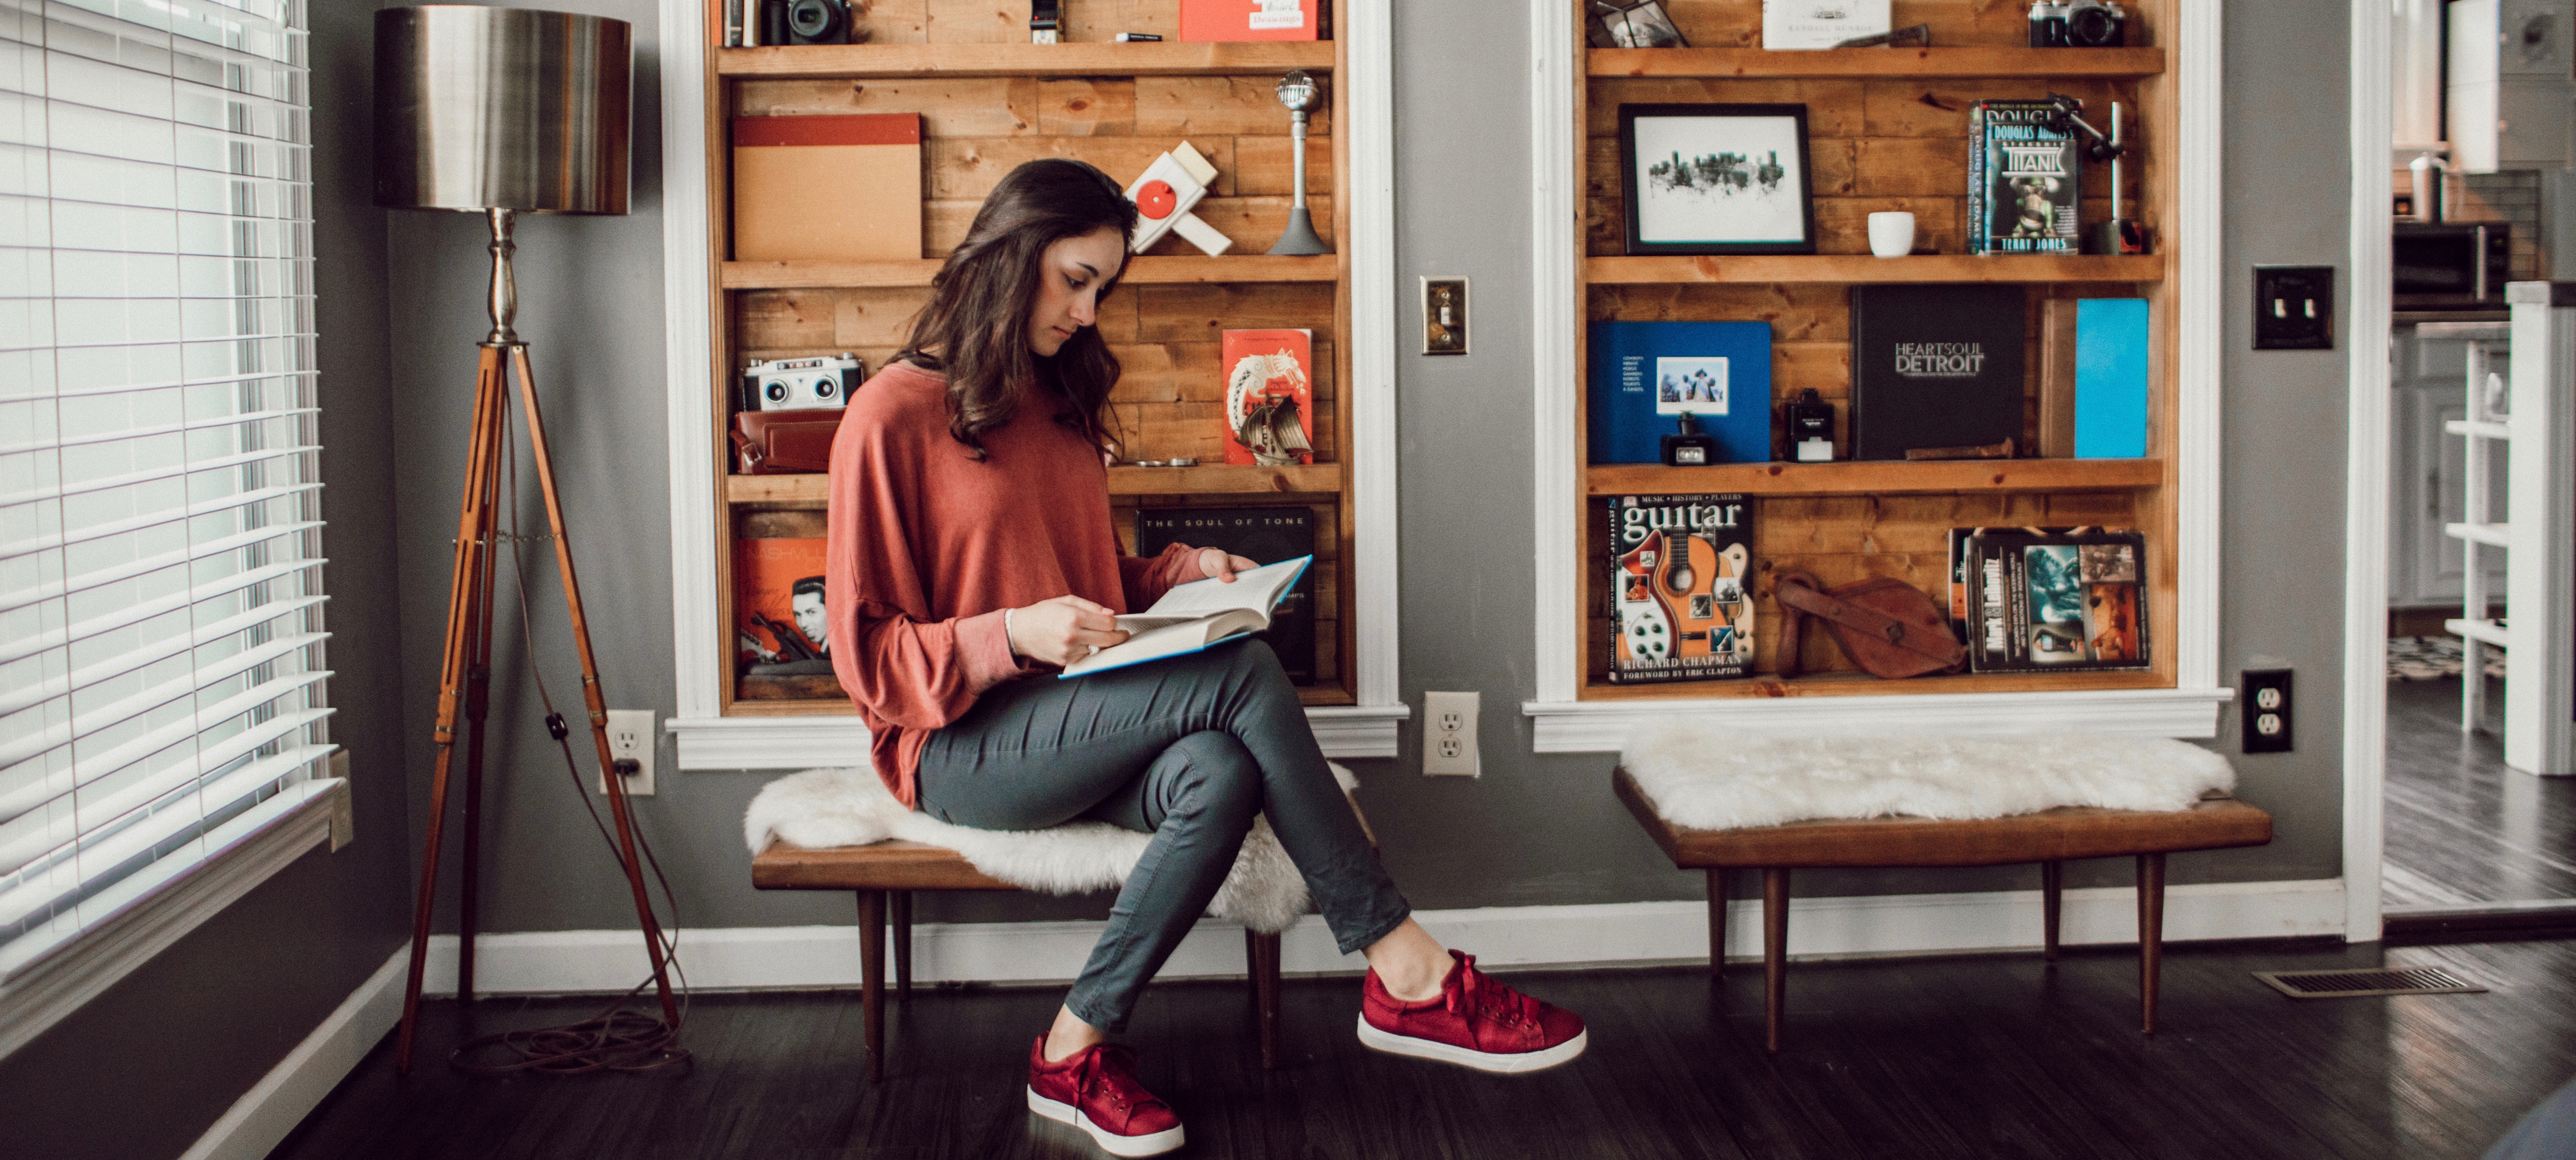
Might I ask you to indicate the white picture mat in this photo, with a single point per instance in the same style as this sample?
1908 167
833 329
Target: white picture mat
1753 212
1698 386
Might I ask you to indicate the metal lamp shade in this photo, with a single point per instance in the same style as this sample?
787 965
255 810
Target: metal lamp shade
502 108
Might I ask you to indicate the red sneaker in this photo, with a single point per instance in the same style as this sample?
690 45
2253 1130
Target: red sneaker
1476 1022
1095 1089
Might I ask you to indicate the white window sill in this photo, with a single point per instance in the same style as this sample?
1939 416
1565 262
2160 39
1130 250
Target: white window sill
262 841
798 742
1604 726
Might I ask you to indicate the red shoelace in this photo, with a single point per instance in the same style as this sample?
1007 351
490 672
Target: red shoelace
1111 1071
1478 991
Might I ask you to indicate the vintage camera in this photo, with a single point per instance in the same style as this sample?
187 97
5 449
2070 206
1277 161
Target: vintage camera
806 21
2096 24
799 384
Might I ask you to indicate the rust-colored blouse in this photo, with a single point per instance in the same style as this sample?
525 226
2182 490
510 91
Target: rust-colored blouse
928 546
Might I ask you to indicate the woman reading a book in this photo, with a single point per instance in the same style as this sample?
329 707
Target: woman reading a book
972 554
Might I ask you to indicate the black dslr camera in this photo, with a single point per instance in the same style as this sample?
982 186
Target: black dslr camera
806 21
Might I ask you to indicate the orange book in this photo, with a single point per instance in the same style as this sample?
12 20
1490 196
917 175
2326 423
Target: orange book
827 188
1269 397
1224 20
778 605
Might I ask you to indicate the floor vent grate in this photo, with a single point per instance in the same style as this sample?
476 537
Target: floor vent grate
2361 982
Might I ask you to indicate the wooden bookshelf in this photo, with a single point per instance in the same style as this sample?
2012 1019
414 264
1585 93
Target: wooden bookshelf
1965 476
1157 270
989 101
1850 269
1876 63
1887 131
915 61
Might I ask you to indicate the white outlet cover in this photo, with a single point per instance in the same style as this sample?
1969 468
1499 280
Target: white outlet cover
1449 735
630 734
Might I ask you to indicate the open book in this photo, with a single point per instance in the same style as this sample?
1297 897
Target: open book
1195 615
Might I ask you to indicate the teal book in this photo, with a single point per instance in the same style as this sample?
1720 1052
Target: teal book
2111 378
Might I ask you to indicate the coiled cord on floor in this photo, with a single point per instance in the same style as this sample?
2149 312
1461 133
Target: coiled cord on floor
620 1037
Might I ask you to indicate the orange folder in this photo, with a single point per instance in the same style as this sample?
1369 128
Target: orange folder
1227 20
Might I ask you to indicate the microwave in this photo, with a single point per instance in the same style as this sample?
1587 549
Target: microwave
2451 265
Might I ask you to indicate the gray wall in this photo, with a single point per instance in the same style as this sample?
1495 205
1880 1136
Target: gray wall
1534 829
202 1022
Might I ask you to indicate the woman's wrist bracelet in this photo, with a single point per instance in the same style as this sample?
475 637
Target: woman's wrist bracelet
1008 644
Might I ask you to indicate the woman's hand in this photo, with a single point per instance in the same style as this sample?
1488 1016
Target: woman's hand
1063 630
1217 565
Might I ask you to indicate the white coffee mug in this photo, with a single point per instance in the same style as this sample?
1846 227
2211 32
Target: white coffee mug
1891 234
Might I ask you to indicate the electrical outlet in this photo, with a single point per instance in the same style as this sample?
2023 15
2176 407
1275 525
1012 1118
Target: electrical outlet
2265 693
1449 734
630 738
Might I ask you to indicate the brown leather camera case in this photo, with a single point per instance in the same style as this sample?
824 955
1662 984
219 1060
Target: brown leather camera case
1886 626
784 442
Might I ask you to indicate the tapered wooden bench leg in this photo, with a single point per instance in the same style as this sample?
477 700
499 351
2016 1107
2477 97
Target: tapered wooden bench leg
902 943
1716 922
1775 952
2052 884
872 907
1265 989
2151 935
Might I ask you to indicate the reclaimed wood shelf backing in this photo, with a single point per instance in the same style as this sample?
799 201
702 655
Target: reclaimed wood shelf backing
989 100
1887 130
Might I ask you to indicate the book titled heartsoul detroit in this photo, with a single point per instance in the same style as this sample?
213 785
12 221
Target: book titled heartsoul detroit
1934 366
1196 616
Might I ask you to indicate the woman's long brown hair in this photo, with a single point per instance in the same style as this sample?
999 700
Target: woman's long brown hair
977 319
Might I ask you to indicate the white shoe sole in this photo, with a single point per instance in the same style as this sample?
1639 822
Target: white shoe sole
1506 1062
1111 1142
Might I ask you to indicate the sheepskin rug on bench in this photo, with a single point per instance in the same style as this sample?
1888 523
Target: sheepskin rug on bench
1705 776
850 807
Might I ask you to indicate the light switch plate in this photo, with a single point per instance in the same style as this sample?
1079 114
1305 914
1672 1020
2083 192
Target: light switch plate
1444 315
2294 307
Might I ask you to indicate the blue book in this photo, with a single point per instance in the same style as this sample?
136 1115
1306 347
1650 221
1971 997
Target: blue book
1197 616
1646 375
2111 378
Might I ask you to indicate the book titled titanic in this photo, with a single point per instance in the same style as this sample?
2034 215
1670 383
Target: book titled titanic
1196 616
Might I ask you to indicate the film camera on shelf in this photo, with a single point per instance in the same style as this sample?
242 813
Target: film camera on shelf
2078 24
789 410
806 21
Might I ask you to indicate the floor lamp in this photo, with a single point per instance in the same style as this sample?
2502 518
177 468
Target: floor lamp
502 111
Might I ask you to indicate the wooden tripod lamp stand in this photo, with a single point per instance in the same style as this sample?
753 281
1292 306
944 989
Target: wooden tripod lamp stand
502 111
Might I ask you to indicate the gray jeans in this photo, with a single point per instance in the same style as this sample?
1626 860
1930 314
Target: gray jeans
1188 750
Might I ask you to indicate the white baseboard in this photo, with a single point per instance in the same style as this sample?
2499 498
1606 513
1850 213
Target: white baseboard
264 1115
755 958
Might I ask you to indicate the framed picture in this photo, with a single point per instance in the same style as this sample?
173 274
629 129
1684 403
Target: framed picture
1642 24
1717 179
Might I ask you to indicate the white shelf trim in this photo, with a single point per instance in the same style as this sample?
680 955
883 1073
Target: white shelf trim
697 624
736 743
1604 726
2494 535
1556 222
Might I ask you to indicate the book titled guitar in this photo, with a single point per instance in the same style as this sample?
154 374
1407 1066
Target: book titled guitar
1196 616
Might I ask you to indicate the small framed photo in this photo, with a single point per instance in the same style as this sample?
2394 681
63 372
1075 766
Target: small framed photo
1717 179
1641 24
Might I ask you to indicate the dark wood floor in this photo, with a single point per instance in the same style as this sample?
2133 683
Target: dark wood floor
2463 828
1959 1057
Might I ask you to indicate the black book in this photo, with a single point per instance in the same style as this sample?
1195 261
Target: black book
1264 535
1934 366
2043 600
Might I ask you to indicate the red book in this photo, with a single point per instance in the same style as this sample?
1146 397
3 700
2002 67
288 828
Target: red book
1224 20
1269 397
778 604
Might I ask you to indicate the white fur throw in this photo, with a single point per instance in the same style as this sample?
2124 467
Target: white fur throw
1704 776
851 807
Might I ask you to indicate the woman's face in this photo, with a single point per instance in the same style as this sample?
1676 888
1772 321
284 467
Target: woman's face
1070 275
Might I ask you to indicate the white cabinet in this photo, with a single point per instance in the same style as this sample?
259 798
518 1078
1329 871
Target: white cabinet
2427 486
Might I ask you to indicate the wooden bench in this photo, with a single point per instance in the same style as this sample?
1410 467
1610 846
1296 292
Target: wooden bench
885 874
2050 838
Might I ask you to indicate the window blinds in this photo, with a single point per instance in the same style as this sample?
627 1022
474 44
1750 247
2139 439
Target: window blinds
160 571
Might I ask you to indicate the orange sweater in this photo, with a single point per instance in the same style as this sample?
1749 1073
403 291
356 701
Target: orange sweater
929 546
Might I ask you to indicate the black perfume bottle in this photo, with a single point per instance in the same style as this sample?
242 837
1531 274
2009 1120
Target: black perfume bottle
1809 422
1690 448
